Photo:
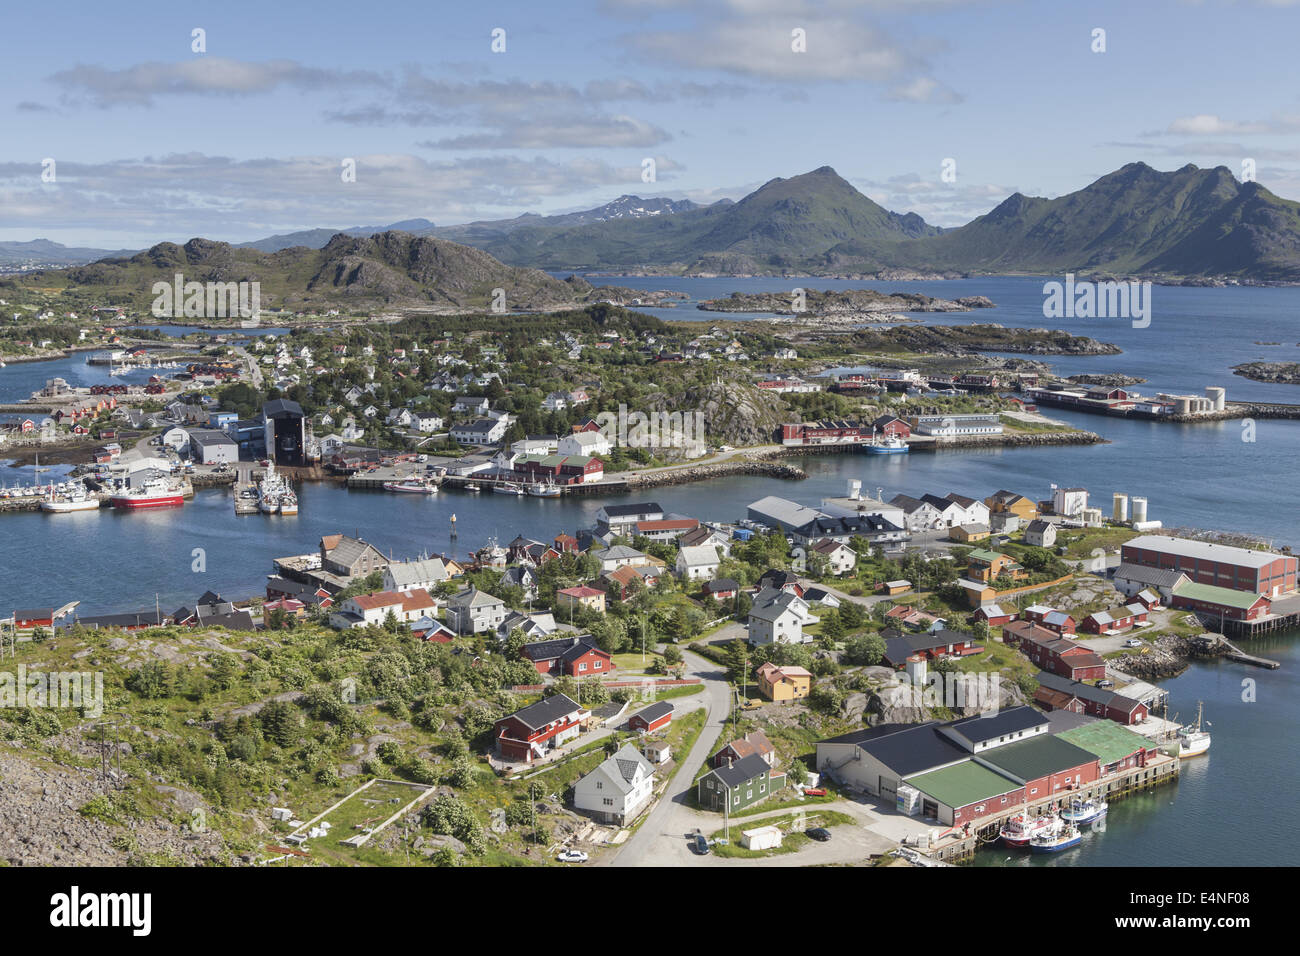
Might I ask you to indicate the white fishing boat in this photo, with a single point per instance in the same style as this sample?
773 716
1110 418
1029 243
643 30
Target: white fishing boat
1192 740
76 499
547 489
473 486
274 494
1082 812
1022 828
1063 839
288 503
507 488
412 486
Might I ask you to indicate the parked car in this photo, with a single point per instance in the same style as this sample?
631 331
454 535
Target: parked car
1132 642
572 856
814 791
1105 683
820 834
699 844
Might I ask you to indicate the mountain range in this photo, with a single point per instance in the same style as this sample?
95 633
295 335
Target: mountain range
1190 224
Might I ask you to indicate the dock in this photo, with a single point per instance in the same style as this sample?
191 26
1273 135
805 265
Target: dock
1235 653
955 847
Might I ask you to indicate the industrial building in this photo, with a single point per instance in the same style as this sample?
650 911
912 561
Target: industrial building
285 425
1219 565
208 446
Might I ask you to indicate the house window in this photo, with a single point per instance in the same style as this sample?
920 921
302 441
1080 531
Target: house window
599 785
749 794
735 800
596 665
582 666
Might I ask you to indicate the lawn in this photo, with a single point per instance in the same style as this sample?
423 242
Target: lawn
792 824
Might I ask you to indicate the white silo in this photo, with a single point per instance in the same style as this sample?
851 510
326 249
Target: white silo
916 670
1217 397
1139 510
855 488
1121 507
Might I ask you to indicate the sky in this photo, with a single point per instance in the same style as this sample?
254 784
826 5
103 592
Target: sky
119 128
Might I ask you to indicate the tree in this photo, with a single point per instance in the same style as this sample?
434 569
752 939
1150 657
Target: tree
868 650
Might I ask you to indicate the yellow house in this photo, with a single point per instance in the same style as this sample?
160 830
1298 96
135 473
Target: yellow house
780 684
1012 503
968 533
581 597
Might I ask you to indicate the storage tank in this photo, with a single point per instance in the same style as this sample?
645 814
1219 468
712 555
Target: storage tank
1217 397
1182 405
1139 509
916 670
1121 507
855 488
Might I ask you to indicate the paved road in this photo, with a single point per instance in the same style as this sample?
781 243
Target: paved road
669 822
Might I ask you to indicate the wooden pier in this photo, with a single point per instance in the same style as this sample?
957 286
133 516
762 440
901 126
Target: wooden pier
1160 769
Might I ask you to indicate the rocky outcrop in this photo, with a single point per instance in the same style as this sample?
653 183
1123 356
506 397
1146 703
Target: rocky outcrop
738 466
831 302
1285 373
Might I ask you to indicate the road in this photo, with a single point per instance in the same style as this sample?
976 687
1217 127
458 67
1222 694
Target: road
664 831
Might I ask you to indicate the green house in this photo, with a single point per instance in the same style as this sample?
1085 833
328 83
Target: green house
739 784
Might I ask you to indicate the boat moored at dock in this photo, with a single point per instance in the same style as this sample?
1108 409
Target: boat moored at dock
1064 838
154 493
1192 740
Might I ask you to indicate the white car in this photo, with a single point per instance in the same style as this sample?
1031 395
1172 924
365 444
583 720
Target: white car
1132 642
572 856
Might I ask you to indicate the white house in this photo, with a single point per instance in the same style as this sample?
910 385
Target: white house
472 403
363 609
481 431
1040 533
472 611
840 558
778 617
697 563
584 443
404 576
617 790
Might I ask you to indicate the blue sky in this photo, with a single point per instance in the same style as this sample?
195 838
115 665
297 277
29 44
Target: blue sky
153 141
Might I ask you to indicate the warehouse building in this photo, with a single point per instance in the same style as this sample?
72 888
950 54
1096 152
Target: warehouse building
1219 565
211 447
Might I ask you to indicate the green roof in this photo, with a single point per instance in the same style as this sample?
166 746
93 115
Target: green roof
984 554
1243 600
962 784
1105 738
1036 757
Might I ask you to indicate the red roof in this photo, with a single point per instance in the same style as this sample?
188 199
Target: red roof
582 591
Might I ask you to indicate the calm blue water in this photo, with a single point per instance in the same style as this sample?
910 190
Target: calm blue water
1226 806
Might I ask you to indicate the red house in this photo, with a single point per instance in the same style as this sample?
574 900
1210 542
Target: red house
530 732
574 656
34 617
1050 618
1118 618
652 718
1051 652
891 426
994 615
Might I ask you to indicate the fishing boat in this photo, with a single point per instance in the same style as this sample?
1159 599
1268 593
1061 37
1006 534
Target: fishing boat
507 488
154 493
547 489
77 499
1063 839
473 486
1022 828
412 486
891 445
1082 812
1193 741
274 495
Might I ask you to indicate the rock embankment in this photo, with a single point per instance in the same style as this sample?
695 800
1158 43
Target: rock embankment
1284 373
738 466
1168 657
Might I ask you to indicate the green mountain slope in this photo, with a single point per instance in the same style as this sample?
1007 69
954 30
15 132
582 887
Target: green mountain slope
389 269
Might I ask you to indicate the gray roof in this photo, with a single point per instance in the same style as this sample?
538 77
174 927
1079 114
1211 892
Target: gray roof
408 573
656 710
473 597
914 749
997 724
545 711
623 767
742 771
1156 577
770 603
1202 550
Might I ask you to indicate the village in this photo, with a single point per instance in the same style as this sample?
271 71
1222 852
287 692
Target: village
865 680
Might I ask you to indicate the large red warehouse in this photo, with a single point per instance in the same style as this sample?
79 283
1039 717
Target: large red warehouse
1238 569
